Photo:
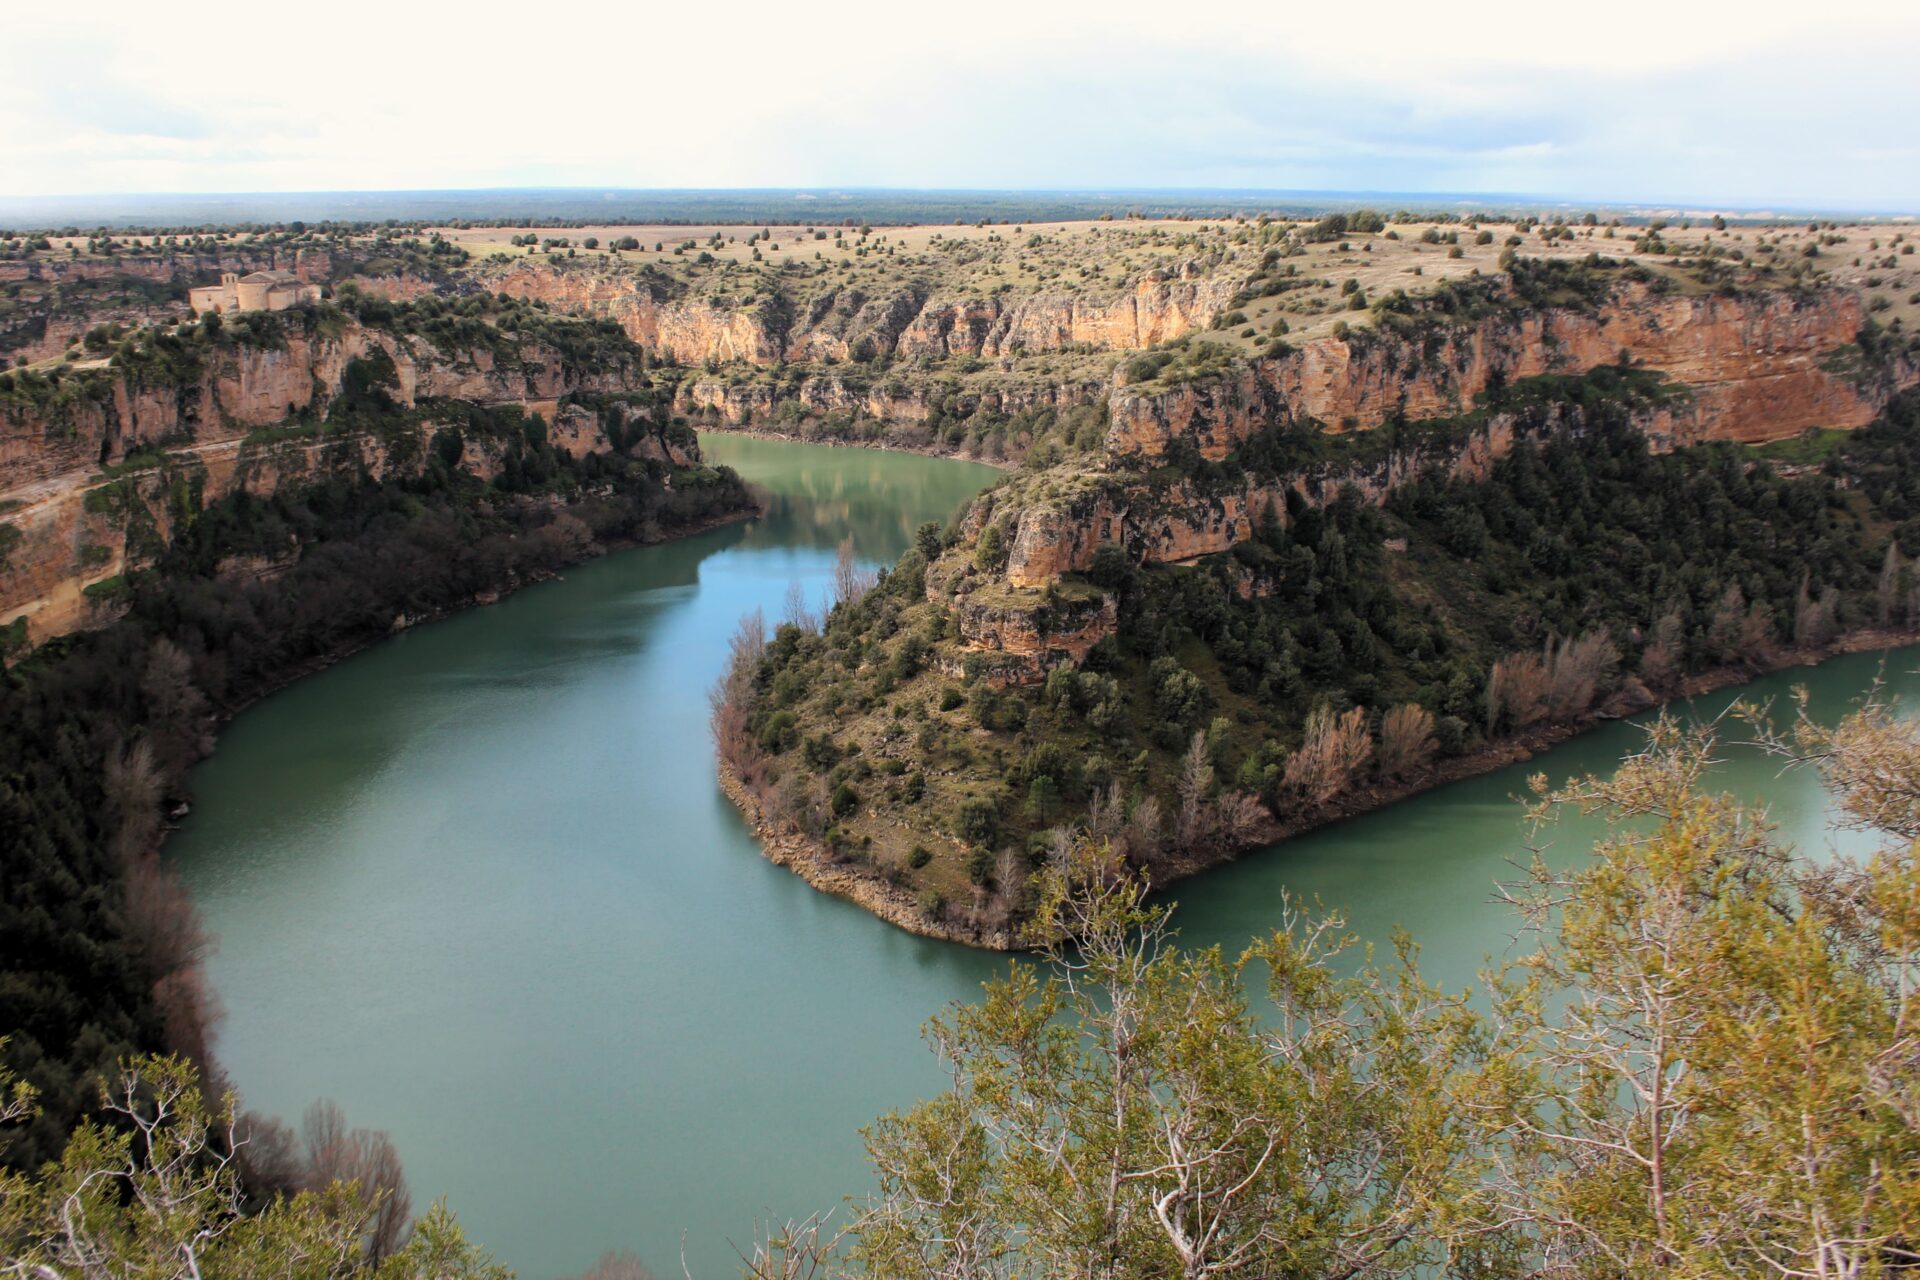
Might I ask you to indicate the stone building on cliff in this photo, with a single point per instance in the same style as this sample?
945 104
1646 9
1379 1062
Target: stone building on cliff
257 291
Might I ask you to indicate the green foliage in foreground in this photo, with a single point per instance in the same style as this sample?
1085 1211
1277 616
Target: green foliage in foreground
1707 1068
154 1190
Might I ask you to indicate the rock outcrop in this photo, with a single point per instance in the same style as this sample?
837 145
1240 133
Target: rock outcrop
100 414
847 323
67 522
52 302
1758 366
1015 636
1055 525
907 398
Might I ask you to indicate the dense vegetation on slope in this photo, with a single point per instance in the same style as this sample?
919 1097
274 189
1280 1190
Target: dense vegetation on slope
97 948
1348 647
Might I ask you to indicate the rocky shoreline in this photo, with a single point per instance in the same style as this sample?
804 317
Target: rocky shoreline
813 862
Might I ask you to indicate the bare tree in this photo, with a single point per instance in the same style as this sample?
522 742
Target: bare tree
1238 817
1814 617
1726 627
271 1156
564 539
176 709
624 1265
850 581
1229 818
1406 739
1577 671
365 1160
1889 590
798 613
1335 749
1143 835
134 790
1517 690
731 698
845 567
1193 825
1665 652
1738 633
1106 815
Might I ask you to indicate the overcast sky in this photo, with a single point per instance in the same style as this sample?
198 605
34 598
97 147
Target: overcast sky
1755 104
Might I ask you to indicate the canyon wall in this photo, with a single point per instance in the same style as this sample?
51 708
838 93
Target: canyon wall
1757 366
52 302
847 323
1054 526
67 523
1182 520
910 397
101 412
86 535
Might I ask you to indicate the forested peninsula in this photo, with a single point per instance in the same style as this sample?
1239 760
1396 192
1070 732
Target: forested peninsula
1564 492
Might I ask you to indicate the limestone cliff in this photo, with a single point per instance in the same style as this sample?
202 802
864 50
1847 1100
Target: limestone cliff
1746 367
911 397
1014 635
1761 365
47 304
239 416
99 411
846 323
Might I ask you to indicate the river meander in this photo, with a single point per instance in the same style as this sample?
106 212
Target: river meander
478 885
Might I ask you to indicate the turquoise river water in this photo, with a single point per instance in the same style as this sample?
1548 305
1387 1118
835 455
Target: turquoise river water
478 885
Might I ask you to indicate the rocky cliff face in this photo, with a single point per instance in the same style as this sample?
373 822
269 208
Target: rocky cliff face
103 413
1161 522
1759 367
64 523
905 398
52 302
847 323
1053 526
69 537
1015 639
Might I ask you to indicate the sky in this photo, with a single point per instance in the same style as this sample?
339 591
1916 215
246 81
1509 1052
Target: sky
1757 104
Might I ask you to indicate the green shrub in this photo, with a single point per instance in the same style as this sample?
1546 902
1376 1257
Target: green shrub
980 864
978 821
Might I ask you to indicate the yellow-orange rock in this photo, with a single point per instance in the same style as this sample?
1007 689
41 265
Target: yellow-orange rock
1759 367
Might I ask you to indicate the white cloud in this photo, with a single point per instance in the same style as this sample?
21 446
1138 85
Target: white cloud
1763 102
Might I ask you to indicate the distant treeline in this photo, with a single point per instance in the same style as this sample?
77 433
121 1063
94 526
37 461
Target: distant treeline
374 210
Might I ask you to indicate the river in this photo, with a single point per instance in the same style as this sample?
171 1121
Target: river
477 885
